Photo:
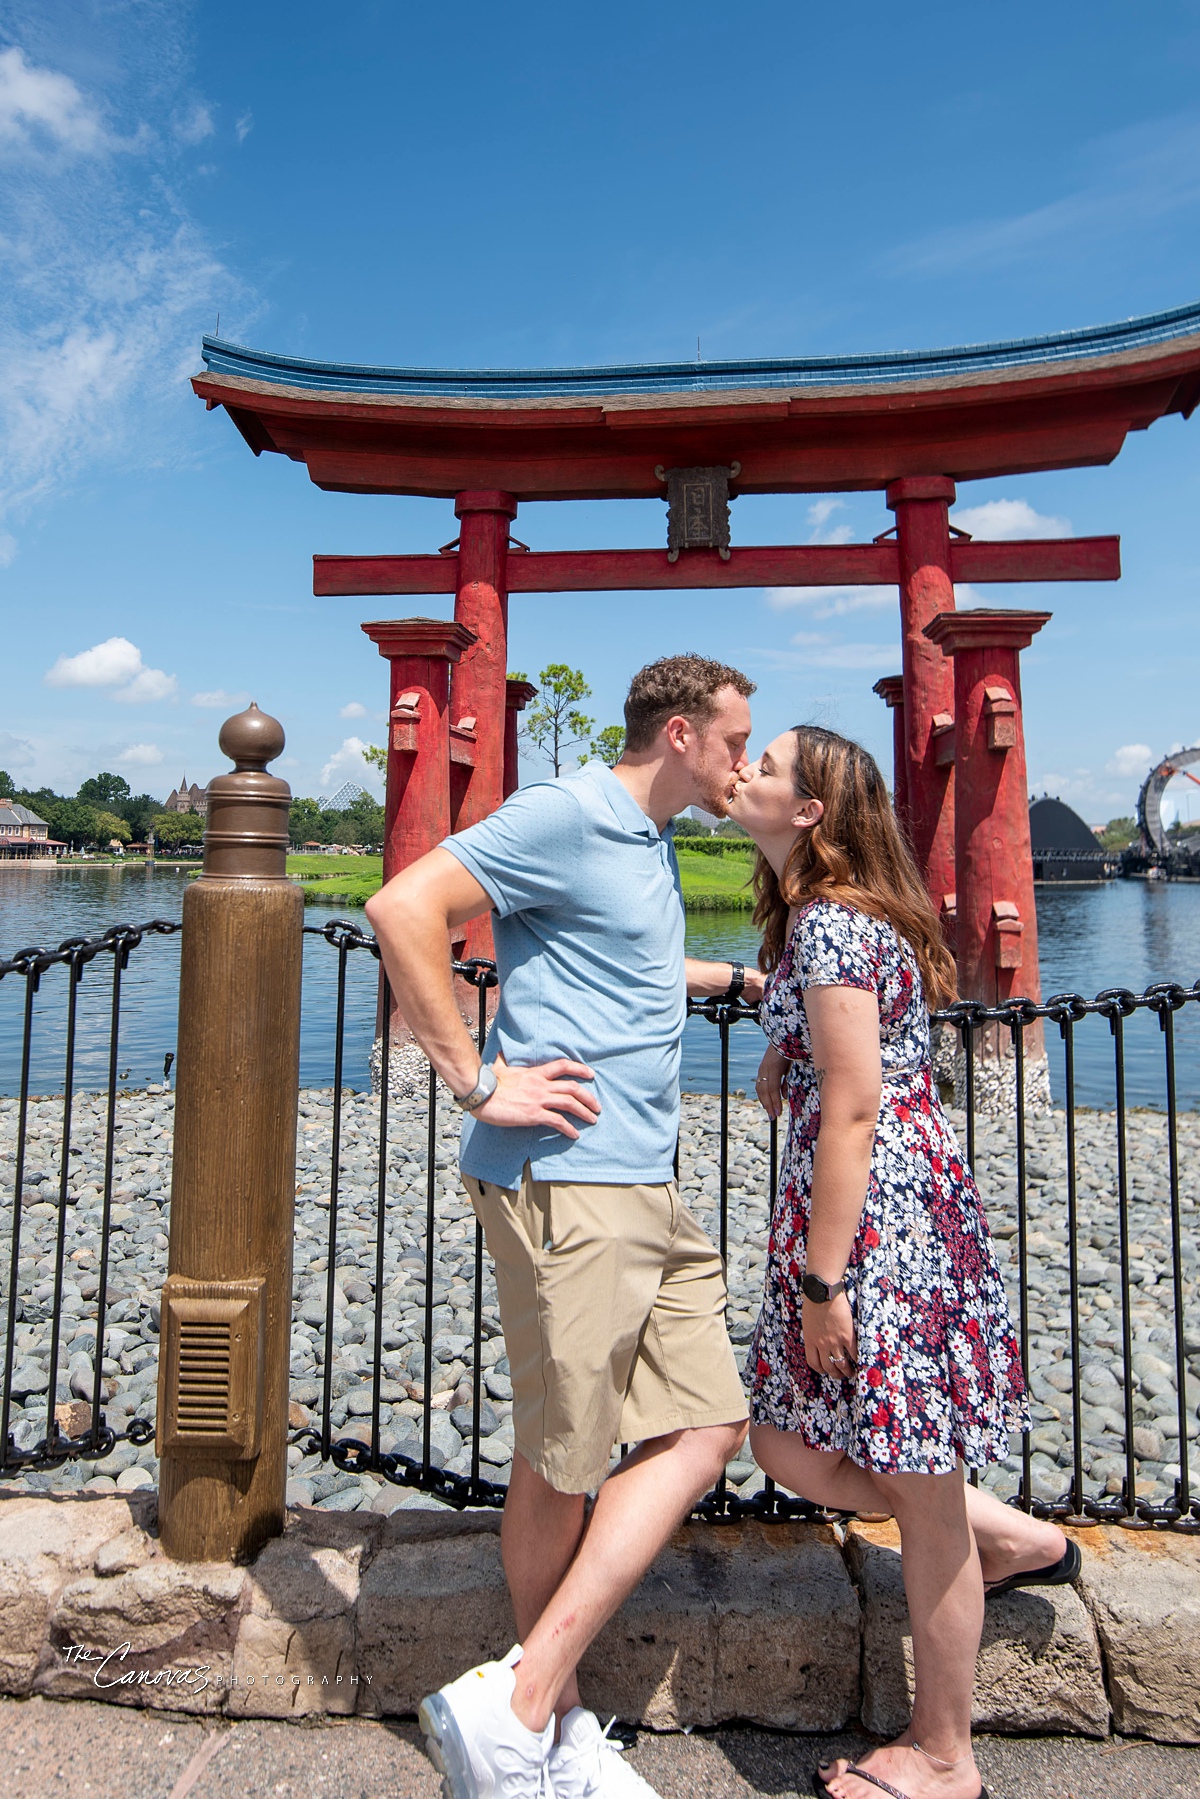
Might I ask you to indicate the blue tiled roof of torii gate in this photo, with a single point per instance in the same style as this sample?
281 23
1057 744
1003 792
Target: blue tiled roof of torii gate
900 366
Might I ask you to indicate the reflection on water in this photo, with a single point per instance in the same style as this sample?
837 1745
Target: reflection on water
1126 933
42 907
1123 934
720 937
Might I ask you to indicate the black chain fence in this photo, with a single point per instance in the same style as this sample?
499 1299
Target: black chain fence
401 1390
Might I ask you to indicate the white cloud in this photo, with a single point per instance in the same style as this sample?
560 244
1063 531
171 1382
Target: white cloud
353 710
141 755
216 698
106 664
1130 759
347 764
8 548
150 685
1136 179
837 602
832 602
244 127
115 663
851 655
108 283
821 510
39 104
1003 520
819 515
15 752
196 126
812 649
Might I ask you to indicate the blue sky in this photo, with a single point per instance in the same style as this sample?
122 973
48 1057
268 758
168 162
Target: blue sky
538 184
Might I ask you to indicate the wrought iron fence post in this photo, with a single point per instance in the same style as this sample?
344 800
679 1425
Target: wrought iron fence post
226 1308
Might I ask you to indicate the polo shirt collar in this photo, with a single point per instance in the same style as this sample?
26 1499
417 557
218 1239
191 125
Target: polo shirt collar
626 808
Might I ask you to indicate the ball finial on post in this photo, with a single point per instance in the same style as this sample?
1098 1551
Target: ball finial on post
251 738
246 836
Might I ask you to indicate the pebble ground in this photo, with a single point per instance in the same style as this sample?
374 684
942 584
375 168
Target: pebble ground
140 1214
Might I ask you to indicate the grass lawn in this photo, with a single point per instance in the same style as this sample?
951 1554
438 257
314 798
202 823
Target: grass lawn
710 883
715 883
349 879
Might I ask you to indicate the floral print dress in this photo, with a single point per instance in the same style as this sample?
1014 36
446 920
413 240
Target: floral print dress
939 1373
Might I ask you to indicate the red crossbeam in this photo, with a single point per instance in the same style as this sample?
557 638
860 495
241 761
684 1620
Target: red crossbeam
792 565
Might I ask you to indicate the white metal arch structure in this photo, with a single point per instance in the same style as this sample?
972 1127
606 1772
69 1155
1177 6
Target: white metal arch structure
1153 788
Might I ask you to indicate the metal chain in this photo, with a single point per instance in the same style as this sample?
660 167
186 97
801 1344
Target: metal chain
52 1452
119 939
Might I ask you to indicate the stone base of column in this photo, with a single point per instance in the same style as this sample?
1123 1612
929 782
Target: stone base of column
996 1086
408 1069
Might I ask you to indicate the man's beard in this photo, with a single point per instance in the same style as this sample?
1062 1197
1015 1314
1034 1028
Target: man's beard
713 787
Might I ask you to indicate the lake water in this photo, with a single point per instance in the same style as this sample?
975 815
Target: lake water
1123 934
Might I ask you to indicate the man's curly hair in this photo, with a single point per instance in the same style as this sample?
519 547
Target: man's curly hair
677 685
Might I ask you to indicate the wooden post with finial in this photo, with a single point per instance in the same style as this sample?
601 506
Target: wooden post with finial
226 1305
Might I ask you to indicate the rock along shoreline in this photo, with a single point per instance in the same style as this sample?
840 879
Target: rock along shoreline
140 1220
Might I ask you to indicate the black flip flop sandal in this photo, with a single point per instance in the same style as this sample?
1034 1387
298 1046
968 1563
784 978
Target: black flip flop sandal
1057 1574
874 1780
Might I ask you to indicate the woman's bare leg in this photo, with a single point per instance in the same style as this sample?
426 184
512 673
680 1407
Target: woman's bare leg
1009 1541
945 1605
943 1578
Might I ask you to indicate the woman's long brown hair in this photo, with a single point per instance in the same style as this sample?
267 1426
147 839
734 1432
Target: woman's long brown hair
855 853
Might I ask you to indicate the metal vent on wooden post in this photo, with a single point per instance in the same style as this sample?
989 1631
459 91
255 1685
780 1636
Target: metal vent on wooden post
212 1368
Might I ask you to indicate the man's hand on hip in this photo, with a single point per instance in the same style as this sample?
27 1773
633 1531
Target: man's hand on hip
548 1093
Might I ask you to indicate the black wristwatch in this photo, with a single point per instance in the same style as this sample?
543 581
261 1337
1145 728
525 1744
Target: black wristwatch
819 1291
736 985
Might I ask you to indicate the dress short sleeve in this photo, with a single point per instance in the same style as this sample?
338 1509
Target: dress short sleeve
527 853
835 946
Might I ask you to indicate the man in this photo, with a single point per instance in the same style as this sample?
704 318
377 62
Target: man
611 1297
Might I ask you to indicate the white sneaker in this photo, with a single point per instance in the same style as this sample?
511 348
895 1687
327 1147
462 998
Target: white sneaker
476 1741
586 1764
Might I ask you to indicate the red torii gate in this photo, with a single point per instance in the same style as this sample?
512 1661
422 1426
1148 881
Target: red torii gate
924 561
911 424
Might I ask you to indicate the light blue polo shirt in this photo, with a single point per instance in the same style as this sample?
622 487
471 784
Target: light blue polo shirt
588 927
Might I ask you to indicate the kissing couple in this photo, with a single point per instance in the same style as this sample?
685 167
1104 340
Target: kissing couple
884 1362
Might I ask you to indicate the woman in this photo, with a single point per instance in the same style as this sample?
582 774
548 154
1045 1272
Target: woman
885 1357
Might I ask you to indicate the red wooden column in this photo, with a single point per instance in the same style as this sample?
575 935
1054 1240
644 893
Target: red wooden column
519 694
891 691
481 604
996 930
417 809
921 504
478 690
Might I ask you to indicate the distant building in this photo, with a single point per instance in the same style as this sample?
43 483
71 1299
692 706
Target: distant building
187 799
716 827
1064 846
23 835
344 798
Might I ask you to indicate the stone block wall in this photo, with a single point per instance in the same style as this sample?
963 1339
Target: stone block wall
795 1626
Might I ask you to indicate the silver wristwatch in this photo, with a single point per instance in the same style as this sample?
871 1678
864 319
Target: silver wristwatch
483 1089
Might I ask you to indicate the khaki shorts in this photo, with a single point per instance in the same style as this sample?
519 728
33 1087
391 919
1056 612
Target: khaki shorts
612 1301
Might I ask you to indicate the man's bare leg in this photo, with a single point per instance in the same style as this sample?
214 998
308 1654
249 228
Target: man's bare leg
540 1533
636 1509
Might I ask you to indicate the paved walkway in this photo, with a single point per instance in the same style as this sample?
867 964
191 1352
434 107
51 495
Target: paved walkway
79 1750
